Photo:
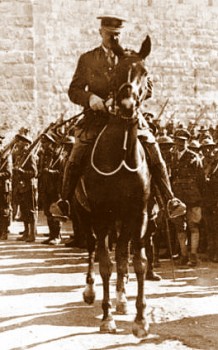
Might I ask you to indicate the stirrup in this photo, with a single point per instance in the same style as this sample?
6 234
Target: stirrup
175 208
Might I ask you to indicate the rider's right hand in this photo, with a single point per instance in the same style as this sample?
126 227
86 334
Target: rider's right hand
96 103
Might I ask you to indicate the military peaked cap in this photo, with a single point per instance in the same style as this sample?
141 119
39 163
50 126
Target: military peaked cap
182 134
112 23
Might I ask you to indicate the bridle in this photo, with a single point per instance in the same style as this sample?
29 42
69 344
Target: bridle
135 92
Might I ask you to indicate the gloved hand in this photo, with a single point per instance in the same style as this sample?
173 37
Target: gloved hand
96 103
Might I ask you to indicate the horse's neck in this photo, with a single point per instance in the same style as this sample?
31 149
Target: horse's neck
116 145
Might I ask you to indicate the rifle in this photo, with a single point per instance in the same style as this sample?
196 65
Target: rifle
27 155
202 111
52 127
162 109
74 120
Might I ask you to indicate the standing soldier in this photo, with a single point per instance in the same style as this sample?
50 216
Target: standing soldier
207 148
211 200
209 203
166 145
24 175
187 183
5 191
50 183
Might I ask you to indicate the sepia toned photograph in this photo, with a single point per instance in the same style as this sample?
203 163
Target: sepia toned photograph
109 175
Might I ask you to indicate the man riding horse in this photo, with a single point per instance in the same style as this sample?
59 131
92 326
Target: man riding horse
91 87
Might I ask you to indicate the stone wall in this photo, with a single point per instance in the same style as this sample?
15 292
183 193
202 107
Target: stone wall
40 43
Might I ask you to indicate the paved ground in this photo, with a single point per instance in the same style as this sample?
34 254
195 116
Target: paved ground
41 304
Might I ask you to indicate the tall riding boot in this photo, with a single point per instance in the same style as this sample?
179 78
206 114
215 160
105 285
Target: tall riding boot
161 178
71 176
72 173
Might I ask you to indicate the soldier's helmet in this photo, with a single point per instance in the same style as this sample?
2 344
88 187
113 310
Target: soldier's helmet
208 142
24 138
45 137
194 144
68 140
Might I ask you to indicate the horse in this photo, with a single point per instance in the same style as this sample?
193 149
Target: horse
116 185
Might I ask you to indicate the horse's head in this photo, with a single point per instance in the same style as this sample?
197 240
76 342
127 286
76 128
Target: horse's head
130 79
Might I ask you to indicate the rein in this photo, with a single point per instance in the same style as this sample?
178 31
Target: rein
122 163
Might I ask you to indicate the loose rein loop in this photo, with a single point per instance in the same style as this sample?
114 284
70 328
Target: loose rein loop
122 163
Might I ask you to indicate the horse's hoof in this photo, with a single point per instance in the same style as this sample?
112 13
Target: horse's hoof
89 295
140 329
122 309
108 326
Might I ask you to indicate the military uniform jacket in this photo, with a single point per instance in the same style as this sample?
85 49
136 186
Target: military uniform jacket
187 177
211 186
92 76
25 181
49 176
5 174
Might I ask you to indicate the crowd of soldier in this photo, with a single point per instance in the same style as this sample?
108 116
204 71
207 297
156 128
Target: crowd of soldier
31 175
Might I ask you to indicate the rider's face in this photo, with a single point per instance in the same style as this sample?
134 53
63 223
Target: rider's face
109 37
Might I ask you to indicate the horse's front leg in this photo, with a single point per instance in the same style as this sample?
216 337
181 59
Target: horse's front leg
105 267
89 292
140 326
122 255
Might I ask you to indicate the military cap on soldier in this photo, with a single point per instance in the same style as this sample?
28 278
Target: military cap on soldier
47 137
24 138
165 139
182 134
112 23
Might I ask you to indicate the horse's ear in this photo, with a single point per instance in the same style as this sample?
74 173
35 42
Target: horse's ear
145 48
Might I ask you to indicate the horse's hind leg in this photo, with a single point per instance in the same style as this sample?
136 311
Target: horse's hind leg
105 269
